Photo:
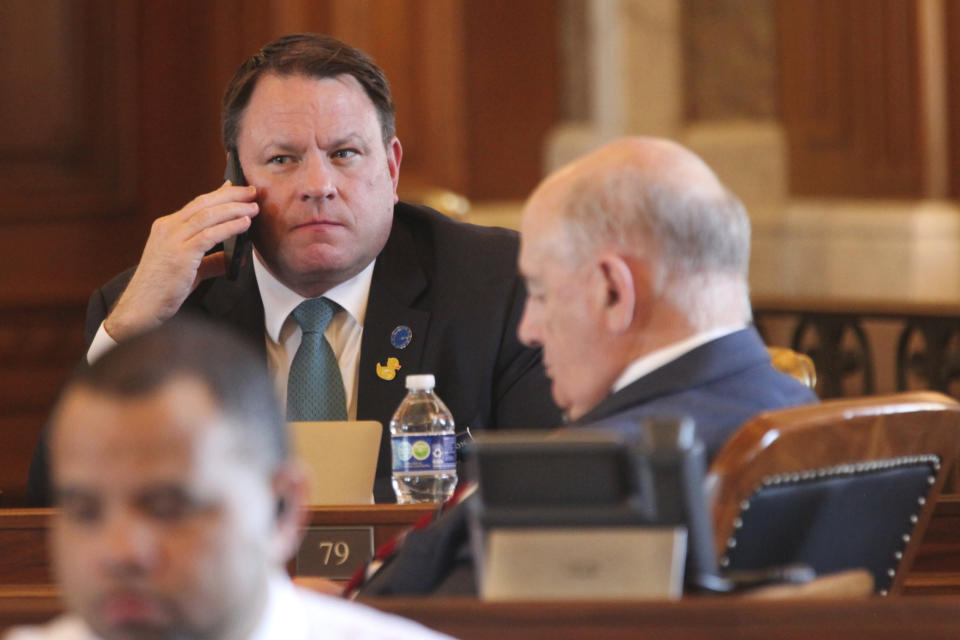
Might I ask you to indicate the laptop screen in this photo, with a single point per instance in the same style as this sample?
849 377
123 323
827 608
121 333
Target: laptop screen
341 458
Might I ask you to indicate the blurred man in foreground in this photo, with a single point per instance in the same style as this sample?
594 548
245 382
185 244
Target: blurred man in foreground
179 504
635 258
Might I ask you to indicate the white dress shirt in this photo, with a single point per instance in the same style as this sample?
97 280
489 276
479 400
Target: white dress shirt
282 333
292 613
344 332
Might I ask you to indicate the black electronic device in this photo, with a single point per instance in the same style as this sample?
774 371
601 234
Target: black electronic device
677 463
235 249
591 478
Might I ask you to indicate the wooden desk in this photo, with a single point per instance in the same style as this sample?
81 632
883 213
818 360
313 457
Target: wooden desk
715 618
28 605
936 568
23 548
23 534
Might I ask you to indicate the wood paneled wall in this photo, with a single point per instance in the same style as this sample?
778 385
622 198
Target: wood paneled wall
851 97
109 118
69 177
952 71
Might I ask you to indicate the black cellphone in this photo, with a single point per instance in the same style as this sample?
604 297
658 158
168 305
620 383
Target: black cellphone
235 250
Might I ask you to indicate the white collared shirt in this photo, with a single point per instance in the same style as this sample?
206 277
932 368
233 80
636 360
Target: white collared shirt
282 333
292 613
658 358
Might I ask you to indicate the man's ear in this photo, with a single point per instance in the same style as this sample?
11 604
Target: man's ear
289 483
394 156
620 295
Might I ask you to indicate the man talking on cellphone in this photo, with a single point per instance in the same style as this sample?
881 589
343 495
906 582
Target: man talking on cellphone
382 288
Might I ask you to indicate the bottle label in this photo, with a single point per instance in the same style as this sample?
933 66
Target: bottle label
425 452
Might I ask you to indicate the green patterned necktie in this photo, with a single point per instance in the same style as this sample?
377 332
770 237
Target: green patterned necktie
315 388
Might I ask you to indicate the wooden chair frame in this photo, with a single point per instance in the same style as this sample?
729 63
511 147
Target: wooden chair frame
836 432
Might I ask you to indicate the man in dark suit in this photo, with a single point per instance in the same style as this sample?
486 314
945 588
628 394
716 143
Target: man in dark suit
310 122
635 258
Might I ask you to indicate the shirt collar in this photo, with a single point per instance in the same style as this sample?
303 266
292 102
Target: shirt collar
281 617
659 357
279 299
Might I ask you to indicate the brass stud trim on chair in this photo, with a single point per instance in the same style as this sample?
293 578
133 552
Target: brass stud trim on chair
848 469
840 470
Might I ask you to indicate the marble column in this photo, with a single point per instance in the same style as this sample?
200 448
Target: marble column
700 71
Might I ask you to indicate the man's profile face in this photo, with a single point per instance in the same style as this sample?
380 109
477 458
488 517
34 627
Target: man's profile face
560 313
163 529
326 182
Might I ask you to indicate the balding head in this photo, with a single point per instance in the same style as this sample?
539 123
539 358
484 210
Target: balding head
650 198
644 246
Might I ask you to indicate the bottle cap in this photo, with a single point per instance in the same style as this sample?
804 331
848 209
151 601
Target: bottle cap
421 382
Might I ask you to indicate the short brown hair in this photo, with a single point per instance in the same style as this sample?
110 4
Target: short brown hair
312 55
216 357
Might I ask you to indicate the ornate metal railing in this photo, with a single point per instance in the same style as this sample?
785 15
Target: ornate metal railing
925 353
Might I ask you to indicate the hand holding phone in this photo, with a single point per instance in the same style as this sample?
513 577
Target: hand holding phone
235 247
175 258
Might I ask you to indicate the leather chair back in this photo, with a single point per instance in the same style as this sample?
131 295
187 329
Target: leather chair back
844 484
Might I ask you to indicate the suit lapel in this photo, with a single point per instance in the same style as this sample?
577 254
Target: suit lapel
716 359
237 303
398 280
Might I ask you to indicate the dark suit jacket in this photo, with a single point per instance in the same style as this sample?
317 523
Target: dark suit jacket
720 384
454 285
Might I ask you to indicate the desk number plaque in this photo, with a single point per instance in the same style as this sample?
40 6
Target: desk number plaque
334 552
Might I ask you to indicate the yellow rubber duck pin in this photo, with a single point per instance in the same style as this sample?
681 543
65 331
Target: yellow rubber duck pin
388 372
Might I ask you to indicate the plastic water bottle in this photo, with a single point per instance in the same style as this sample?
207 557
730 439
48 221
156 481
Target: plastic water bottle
424 445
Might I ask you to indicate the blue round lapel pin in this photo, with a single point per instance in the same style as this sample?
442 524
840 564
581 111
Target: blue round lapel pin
401 337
